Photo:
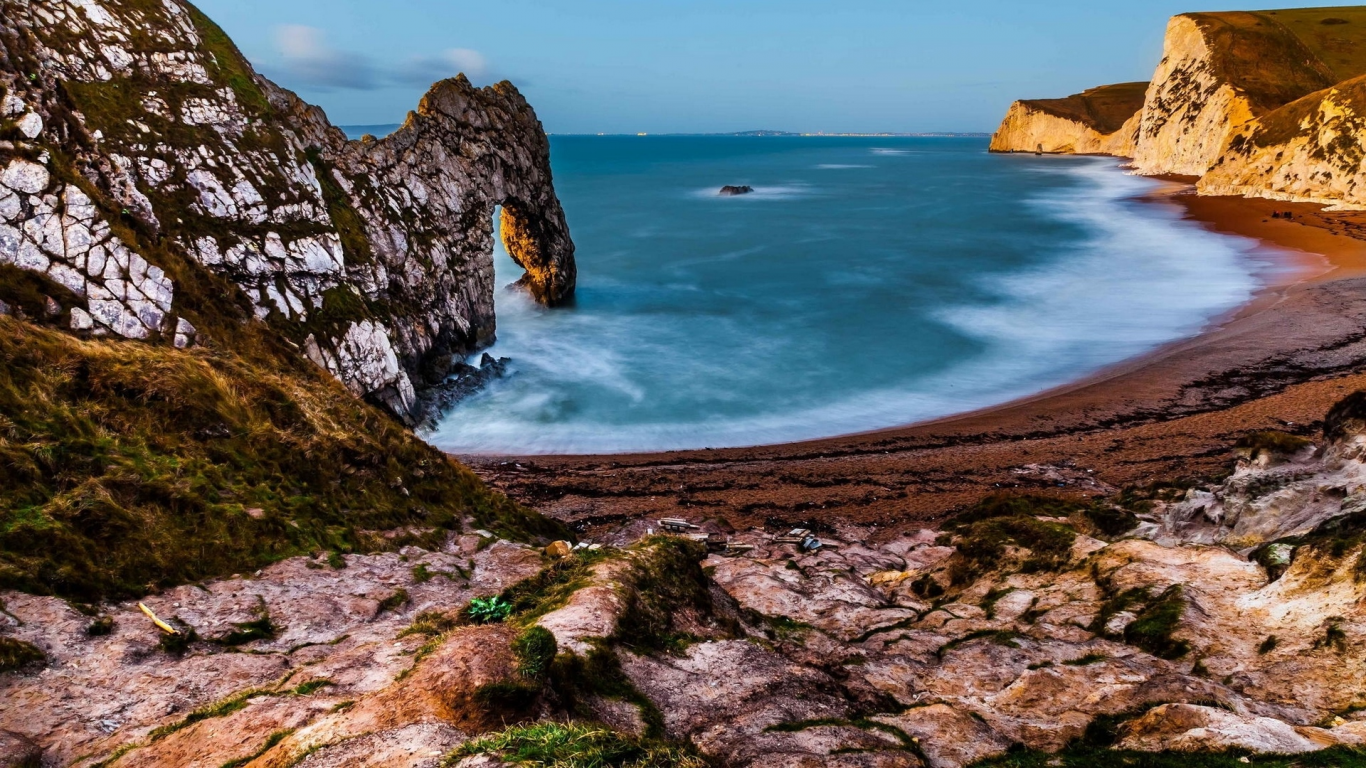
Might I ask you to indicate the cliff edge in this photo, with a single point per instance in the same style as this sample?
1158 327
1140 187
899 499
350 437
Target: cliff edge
1099 121
1257 104
137 138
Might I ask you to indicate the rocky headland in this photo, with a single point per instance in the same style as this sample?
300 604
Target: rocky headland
220 546
1262 104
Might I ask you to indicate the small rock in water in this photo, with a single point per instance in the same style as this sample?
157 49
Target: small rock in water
730 190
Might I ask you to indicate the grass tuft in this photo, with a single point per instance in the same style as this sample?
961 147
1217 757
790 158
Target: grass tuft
575 745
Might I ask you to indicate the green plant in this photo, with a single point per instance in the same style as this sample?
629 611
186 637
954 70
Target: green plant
576 745
1003 637
431 623
304 689
535 649
260 628
271 740
177 643
488 610
985 531
1152 629
16 654
104 625
1268 645
397 599
1088 659
421 574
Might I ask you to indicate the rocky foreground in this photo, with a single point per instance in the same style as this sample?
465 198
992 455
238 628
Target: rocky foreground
1211 619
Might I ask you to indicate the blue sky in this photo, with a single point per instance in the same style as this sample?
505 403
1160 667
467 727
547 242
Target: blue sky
624 66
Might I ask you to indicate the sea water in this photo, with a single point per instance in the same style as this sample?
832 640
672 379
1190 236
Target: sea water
865 283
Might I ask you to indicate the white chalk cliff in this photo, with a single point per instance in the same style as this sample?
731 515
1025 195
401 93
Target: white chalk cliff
1255 104
138 150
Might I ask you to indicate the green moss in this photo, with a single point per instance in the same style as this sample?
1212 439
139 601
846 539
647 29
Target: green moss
664 580
305 689
221 708
16 654
129 467
271 741
397 599
1087 660
1002 637
348 223
1270 442
231 68
431 624
576 679
987 529
1152 630
576 745
104 625
535 649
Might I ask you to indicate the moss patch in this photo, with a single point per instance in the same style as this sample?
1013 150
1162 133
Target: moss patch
576 745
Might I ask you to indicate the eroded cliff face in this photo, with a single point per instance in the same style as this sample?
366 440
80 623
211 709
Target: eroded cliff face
1250 102
1101 121
1029 129
140 148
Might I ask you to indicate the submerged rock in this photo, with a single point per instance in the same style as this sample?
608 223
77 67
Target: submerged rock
463 381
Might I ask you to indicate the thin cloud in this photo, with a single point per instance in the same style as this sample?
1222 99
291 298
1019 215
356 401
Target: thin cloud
306 60
425 70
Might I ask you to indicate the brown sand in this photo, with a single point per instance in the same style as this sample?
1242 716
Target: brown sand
1278 363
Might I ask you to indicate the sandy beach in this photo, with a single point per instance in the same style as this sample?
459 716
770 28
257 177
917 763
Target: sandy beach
1279 362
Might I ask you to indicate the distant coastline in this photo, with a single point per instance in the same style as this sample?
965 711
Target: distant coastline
384 129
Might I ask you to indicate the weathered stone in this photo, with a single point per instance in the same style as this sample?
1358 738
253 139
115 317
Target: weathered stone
29 125
25 176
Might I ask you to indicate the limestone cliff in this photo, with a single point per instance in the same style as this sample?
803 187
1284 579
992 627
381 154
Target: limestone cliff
141 152
1100 121
1259 104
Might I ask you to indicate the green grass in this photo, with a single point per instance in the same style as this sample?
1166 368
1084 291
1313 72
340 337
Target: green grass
431 624
1003 637
576 745
535 649
1270 442
271 741
128 467
1104 109
987 529
1152 630
17 654
1340 47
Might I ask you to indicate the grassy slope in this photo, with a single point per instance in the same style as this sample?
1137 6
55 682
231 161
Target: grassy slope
1104 108
127 466
1341 47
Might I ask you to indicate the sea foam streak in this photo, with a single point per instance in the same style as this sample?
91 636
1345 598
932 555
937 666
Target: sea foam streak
1135 277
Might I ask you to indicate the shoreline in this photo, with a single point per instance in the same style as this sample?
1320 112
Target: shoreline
1278 361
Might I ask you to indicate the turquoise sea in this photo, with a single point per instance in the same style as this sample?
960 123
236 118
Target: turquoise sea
865 283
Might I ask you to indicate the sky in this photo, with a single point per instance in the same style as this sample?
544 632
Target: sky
699 66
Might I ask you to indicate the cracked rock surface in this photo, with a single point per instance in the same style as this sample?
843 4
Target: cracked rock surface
144 146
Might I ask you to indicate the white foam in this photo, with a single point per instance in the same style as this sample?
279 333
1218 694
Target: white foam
841 166
1140 278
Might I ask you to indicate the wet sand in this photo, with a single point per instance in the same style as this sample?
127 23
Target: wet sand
1279 362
